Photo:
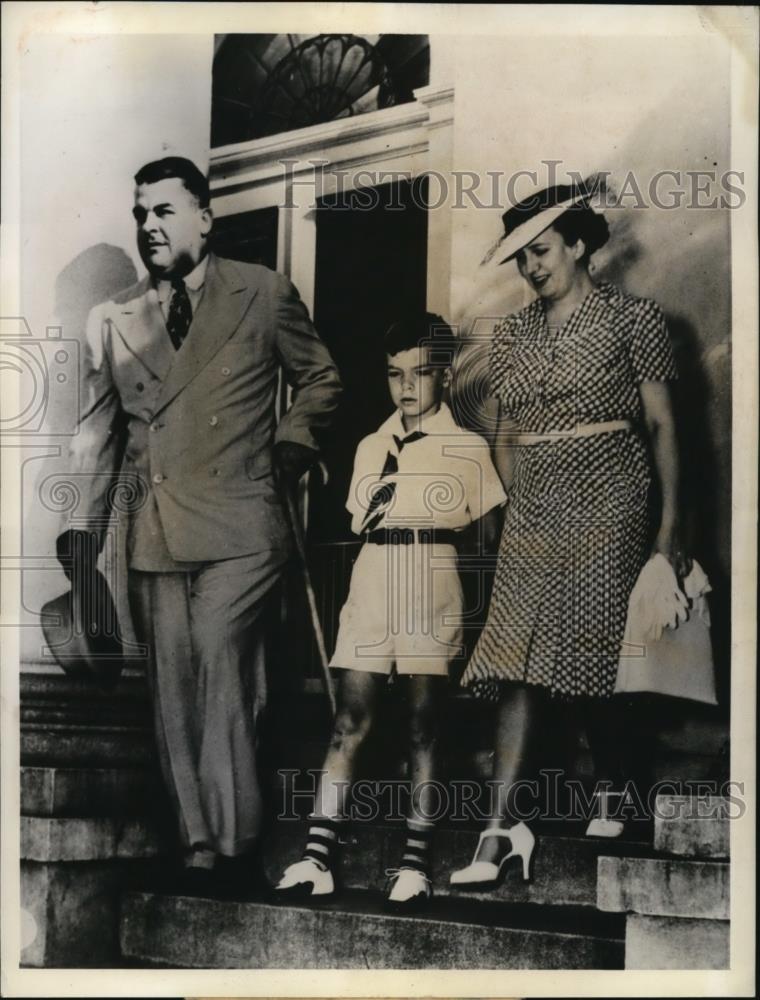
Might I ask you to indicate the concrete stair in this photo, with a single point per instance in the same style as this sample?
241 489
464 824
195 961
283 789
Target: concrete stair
677 903
78 791
356 933
564 871
92 845
593 904
68 722
549 923
695 827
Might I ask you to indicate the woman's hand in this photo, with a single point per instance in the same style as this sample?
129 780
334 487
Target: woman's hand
668 543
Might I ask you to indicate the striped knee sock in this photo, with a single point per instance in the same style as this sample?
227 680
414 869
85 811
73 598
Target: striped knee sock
417 848
322 841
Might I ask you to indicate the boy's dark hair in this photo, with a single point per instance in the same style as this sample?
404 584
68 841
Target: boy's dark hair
176 166
423 329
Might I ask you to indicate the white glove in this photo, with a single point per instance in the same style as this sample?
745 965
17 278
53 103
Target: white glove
656 602
670 603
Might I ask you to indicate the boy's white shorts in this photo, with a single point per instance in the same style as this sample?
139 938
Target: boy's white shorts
404 607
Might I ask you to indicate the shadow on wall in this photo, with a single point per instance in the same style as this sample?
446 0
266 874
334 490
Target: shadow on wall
702 402
92 277
681 259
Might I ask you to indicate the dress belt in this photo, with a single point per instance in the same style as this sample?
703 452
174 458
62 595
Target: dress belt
582 430
408 536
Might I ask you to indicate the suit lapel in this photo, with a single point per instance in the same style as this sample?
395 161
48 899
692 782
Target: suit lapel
225 301
140 324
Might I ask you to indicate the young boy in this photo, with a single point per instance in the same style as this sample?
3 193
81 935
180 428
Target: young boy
417 481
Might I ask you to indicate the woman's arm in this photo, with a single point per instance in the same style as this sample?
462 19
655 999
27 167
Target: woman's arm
658 417
504 448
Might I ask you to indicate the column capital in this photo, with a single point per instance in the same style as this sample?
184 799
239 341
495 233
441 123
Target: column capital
438 100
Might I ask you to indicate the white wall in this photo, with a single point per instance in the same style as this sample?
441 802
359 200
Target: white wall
94 109
604 103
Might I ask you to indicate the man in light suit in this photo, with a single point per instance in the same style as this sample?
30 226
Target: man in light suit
180 379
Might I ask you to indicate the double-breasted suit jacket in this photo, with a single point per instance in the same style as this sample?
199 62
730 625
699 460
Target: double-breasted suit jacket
194 428
192 431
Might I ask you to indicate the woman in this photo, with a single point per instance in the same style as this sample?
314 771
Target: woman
581 377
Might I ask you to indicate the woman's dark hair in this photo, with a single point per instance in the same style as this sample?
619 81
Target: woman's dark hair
423 329
583 223
176 166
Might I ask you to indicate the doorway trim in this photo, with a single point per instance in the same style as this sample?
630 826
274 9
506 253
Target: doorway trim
292 170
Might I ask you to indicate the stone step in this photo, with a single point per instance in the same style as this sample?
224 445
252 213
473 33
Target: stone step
356 933
664 887
675 943
694 826
43 744
53 839
72 875
69 722
564 866
95 791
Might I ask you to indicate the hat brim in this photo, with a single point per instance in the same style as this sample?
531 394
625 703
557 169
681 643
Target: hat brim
85 647
529 230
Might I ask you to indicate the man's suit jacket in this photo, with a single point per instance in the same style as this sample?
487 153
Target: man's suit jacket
192 430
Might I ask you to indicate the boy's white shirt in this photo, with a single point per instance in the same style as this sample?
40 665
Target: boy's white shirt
445 480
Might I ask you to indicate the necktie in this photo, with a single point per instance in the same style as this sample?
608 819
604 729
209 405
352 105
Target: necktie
383 496
180 313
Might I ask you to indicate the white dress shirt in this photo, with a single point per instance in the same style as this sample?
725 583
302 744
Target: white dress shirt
445 480
194 282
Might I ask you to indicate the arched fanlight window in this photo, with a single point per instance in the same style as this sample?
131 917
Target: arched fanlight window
267 84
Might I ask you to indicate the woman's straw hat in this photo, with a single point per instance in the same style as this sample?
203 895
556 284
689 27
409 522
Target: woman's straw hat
530 217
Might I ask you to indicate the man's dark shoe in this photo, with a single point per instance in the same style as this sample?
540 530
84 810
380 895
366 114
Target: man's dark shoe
242 877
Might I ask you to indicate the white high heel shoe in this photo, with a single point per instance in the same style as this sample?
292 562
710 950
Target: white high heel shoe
306 879
602 825
488 873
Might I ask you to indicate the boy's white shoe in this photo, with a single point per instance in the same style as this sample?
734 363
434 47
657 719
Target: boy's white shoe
306 878
409 888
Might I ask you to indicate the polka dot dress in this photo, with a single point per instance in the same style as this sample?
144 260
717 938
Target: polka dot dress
576 527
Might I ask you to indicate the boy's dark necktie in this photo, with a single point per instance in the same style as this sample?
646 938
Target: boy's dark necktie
180 313
384 494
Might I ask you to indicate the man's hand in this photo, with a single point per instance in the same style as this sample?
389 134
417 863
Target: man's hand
291 461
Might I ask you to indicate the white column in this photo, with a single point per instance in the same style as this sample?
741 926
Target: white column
439 102
297 258
297 248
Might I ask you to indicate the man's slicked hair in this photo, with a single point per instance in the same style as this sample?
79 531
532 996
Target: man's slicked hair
176 166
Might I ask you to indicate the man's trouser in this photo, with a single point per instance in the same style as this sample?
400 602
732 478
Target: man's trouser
204 631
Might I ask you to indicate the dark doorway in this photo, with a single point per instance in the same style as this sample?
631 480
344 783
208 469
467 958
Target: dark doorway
248 236
371 267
